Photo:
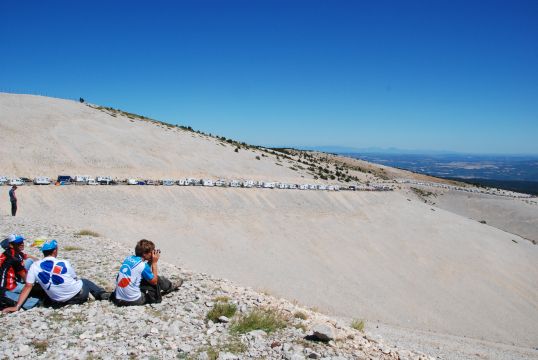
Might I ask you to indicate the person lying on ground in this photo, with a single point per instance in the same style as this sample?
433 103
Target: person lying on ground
138 281
14 264
59 281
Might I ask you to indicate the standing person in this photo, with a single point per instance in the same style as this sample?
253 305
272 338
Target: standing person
138 281
13 200
59 280
14 264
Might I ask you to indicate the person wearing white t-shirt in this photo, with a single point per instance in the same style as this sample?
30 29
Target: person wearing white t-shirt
138 281
59 281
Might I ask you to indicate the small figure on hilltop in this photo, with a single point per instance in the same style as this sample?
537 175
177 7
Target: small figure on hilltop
14 264
59 281
138 281
13 200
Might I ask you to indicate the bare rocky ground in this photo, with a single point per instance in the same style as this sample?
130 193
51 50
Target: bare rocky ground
176 328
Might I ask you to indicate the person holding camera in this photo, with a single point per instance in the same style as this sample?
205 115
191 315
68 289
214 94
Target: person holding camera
138 281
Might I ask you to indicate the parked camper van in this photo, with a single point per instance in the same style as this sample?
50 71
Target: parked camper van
168 182
16 181
42 180
63 180
132 182
312 187
220 183
322 187
269 185
104 180
303 187
3 180
208 182
248 183
182 182
235 183
259 184
81 179
91 181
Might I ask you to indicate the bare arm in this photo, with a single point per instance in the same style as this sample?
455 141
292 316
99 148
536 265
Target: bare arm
154 268
22 298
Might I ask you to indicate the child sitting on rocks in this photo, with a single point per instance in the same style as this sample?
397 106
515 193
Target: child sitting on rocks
138 281
14 264
59 281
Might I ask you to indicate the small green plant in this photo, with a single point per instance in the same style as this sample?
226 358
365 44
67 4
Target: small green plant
221 309
40 346
86 232
222 298
72 248
259 319
300 315
358 325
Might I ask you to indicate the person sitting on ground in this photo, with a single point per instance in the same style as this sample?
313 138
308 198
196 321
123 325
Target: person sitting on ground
59 281
14 264
138 281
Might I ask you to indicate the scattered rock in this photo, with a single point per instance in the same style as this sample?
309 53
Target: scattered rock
324 332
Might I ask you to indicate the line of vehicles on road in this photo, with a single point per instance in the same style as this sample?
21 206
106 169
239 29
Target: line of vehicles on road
108 180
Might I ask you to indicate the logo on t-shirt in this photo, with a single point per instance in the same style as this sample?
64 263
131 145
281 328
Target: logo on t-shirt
124 277
51 273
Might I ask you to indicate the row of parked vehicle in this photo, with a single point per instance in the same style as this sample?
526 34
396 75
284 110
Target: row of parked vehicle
107 180
61 180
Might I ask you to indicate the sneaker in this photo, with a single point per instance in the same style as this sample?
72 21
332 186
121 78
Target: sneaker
175 286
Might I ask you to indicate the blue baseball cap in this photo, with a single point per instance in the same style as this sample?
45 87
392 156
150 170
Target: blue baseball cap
49 245
15 239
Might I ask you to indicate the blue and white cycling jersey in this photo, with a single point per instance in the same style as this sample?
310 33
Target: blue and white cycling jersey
133 269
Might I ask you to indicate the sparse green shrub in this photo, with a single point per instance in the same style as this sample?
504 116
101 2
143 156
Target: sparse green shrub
40 346
221 309
358 325
259 319
86 232
72 248
300 315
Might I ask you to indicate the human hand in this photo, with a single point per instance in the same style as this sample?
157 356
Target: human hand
10 309
156 255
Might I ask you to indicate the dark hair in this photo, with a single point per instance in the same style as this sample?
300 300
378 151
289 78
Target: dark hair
143 247
48 252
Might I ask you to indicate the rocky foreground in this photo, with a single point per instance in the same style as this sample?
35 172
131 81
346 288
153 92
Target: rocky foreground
176 328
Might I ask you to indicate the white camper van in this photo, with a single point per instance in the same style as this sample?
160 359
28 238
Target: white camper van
248 183
104 180
42 180
3 180
235 183
132 182
269 185
91 181
182 182
168 182
293 186
220 182
16 181
81 179
303 187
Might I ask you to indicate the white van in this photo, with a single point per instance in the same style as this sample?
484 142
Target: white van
168 182
132 182
42 180
91 181
16 181
248 183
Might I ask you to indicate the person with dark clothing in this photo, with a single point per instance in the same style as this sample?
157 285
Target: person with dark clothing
138 281
14 265
59 281
13 200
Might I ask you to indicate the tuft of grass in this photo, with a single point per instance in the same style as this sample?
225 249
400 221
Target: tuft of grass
482 221
72 248
86 232
358 325
300 315
40 346
221 309
259 319
222 298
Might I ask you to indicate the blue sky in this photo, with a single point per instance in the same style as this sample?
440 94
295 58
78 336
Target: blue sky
433 75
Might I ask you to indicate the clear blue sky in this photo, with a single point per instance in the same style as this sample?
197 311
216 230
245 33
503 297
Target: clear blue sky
440 75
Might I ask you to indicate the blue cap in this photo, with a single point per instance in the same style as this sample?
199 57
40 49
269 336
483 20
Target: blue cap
49 245
15 238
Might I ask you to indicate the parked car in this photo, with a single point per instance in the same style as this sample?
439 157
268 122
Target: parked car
42 180
63 180
16 181
91 181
